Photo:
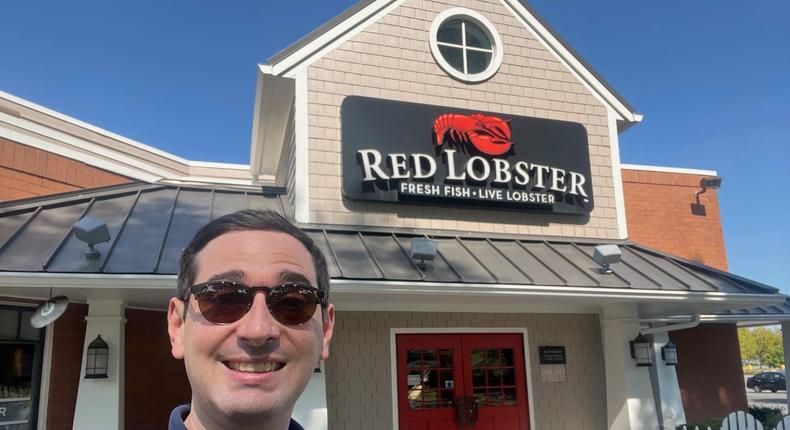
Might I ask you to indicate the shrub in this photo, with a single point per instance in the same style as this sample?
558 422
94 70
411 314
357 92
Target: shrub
770 417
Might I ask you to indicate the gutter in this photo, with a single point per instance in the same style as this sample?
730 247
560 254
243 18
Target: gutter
695 320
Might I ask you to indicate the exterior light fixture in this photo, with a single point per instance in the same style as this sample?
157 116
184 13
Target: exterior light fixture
669 353
605 255
423 249
91 231
98 359
705 183
641 351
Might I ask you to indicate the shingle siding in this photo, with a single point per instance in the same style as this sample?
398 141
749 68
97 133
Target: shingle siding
358 370
391 59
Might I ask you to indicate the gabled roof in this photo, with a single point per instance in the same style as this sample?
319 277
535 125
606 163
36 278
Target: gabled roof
364 12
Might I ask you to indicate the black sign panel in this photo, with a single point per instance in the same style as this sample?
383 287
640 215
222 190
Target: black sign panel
407 152
551 354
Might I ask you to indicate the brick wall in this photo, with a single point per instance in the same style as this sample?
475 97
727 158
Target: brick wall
29 172
709 371
391 59
659 215
358 370
155 382
65 367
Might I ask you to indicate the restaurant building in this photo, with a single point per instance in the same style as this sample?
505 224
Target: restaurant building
469 123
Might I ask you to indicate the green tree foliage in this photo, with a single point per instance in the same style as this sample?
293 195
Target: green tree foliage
761 345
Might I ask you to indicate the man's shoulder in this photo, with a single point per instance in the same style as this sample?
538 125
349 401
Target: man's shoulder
180 413
295 425
177 417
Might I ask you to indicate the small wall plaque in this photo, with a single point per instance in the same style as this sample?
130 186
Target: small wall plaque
552 354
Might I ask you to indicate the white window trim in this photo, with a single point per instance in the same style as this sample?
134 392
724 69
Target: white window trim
485 25
473 330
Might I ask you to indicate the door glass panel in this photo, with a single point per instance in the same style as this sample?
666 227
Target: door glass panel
493 377
510 396
445 358
430 378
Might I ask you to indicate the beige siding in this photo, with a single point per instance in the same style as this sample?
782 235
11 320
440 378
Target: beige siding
358 370
391 59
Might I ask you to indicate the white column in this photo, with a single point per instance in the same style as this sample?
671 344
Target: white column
310 410
629 396
665 380
786 348
100 401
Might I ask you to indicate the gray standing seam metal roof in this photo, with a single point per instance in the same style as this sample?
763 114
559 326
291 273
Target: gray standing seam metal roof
150 224
356 7
778 310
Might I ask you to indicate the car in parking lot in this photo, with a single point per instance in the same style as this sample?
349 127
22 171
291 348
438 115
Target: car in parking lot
771 381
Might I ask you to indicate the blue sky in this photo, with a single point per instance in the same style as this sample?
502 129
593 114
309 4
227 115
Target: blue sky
710 76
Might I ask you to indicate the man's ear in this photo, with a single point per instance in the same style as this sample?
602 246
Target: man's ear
175 327
329 326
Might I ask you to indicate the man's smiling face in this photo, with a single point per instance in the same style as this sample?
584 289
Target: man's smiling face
254 368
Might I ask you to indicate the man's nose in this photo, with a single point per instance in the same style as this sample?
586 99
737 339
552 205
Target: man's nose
258 327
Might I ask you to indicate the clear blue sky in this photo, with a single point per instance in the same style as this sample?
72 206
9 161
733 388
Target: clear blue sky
712 78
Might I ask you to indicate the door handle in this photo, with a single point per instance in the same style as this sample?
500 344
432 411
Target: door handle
466 412
460 415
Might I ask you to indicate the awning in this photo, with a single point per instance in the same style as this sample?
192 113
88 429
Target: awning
150 224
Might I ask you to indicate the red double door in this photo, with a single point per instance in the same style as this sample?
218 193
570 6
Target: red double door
461 381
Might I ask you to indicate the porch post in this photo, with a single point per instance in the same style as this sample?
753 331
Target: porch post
629 395
100 401
786 349
666 388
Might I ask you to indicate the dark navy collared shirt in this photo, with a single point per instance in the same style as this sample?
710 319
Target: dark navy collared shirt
180 413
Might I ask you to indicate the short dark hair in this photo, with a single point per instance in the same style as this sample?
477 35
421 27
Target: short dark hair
245 220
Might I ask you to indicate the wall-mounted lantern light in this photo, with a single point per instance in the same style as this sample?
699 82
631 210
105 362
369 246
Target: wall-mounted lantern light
669 353
98 359
641 351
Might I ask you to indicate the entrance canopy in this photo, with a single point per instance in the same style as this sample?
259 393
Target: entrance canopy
371 269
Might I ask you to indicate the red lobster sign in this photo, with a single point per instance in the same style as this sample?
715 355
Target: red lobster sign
488 134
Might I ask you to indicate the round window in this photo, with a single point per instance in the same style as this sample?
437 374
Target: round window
466 45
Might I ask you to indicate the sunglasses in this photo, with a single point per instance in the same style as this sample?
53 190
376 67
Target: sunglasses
224 302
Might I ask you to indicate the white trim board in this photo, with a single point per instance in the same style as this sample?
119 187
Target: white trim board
667 169
120 155
617 177
394 368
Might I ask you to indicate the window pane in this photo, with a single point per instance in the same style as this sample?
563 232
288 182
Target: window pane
510 397
16 370
476 37
26 331
477 62
450 32
445 358
453 56
9 320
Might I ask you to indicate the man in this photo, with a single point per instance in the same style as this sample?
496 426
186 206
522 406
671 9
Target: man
251 321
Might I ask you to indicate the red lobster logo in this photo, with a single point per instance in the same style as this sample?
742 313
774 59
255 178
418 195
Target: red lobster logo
489 134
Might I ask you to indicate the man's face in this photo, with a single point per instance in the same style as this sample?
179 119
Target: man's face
254 367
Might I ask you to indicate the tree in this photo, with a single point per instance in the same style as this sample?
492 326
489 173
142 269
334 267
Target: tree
761 345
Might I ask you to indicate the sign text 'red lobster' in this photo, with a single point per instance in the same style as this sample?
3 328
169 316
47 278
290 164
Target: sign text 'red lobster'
488 134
